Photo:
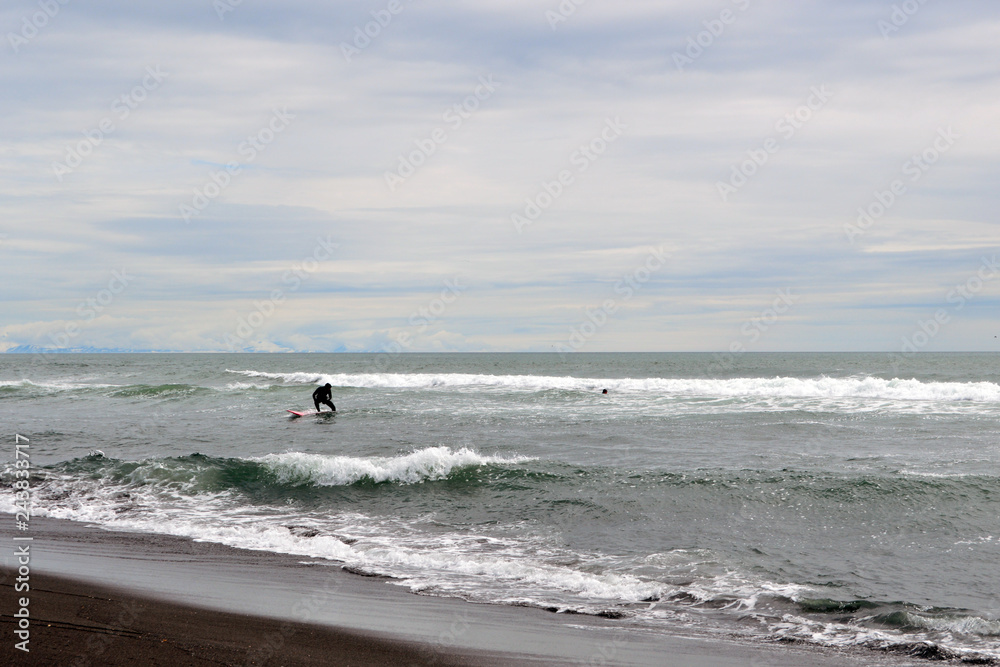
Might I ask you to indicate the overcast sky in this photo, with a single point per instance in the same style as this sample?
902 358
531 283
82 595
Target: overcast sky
500 175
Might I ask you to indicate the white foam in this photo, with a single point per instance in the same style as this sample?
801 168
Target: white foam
744 592
776 387
511 569
54 385
967 625
852 634
426 567
431 463
935 475
242 386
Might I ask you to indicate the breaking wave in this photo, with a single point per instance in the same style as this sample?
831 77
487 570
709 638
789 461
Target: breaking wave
866 387
429 464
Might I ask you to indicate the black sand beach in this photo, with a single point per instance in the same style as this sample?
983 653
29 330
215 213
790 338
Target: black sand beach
106 598
81 623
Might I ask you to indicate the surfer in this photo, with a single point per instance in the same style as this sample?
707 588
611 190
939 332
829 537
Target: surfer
323 395
605 391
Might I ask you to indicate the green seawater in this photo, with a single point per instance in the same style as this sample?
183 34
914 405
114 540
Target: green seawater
839 490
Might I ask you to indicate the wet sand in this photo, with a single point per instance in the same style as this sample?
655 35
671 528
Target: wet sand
112 598
80 623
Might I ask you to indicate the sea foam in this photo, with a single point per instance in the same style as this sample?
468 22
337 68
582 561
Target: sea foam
866 387
428 464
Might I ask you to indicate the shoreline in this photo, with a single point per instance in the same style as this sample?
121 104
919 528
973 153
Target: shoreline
222 605
78 624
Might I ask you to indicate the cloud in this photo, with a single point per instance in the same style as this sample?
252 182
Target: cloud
352 119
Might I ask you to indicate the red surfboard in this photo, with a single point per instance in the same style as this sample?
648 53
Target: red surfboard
298 413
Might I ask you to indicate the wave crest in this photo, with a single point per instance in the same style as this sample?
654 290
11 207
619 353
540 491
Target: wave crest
429 464
867 387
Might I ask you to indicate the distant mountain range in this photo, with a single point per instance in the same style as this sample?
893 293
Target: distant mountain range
35 349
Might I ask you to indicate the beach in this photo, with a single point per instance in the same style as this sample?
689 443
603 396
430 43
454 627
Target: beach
500 333
792 509
82 623
108 598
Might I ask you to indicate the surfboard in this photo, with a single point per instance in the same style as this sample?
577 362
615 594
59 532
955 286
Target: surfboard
299 413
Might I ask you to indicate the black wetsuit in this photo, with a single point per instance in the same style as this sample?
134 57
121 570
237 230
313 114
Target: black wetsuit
324 396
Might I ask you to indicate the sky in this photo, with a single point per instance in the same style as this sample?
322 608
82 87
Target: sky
500 175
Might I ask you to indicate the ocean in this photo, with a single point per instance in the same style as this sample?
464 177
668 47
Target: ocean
827 499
